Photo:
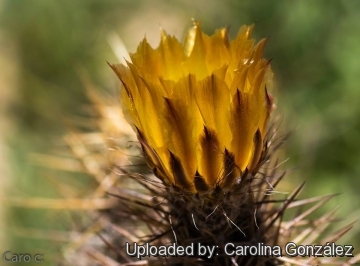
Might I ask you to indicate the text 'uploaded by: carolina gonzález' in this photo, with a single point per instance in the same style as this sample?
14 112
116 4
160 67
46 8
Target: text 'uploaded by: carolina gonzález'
231 249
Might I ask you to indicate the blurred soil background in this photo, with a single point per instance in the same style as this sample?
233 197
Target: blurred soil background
316 61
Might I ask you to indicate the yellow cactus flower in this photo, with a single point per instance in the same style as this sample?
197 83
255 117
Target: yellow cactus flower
200 109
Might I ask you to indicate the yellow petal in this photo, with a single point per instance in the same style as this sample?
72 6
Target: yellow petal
196 62
217 54
243 122
180 138
210 157
172 56
146 56
212 97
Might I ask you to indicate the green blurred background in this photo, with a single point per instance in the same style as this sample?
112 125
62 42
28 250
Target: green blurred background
316 61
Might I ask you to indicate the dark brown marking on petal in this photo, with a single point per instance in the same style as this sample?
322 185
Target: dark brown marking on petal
152 158
229 174
143 142
171 109
200 183
118 73
128 92
258 147
139 134
148 152
114 68
238 97
178 172
269 100
209 144
159 173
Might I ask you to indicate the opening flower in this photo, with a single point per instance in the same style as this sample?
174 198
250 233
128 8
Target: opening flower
200 109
